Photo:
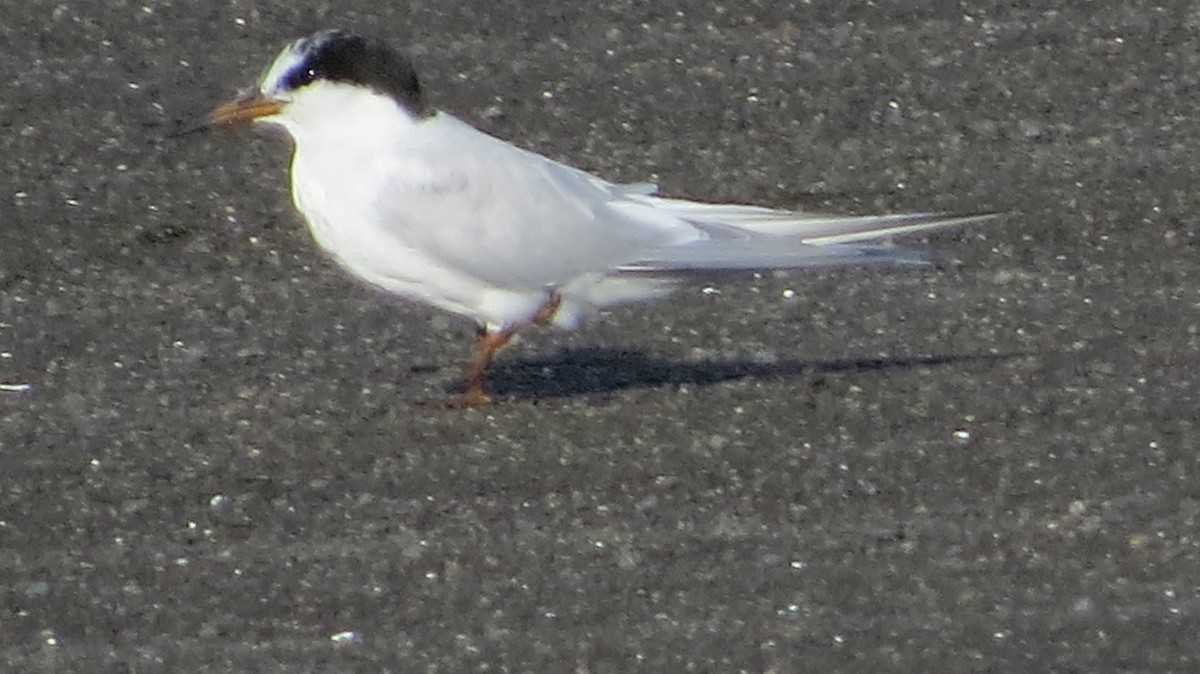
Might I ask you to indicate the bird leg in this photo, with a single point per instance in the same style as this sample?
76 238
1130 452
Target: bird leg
488 342
545 313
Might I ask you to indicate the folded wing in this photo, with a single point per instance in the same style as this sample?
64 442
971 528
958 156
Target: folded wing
518 220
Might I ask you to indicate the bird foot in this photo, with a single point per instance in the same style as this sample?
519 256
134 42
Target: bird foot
471 398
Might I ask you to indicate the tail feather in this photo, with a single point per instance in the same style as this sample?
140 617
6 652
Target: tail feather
746 255
753 237
814 228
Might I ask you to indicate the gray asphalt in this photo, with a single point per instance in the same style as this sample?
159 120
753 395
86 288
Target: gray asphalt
219 463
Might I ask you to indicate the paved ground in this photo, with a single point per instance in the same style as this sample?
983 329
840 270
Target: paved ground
986 466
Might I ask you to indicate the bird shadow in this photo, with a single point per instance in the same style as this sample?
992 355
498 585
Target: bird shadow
574 372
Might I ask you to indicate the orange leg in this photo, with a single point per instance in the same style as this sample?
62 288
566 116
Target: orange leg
486 346
546 312
488 343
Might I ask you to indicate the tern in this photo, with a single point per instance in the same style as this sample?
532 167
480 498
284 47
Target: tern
422 205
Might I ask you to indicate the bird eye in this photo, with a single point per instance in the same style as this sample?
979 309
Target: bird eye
301 77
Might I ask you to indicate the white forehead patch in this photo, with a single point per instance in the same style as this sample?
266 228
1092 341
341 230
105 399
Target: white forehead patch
283 64
289 59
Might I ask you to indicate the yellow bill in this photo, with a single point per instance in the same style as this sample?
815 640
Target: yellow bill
244 110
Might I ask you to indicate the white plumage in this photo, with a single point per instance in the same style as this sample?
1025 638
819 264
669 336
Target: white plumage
424 206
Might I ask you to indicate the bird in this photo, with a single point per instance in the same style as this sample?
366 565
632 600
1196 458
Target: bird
416 202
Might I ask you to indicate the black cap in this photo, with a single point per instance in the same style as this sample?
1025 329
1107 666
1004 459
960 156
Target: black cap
336 56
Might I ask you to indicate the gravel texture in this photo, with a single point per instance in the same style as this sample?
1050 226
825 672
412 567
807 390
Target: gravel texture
219 463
